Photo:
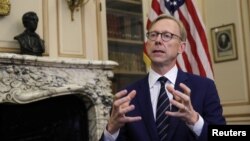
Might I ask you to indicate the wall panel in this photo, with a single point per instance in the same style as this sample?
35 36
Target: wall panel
69 32
11 25
231 77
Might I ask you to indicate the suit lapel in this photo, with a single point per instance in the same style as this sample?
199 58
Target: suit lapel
146 109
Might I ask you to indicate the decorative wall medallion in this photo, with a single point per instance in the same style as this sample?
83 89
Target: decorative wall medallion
75 5
4 7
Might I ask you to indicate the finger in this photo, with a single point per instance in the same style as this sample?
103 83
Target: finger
130 119
126 109
172 91
177 104
186 89
175 114
129 97
124 101
121 98
132 94
170 88
120 94
184 98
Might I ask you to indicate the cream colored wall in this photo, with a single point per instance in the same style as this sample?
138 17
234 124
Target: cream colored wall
85 37
232 77
12 25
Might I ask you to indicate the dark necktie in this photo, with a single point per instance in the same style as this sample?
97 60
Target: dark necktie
163 105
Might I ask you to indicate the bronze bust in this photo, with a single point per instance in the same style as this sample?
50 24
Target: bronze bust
30 42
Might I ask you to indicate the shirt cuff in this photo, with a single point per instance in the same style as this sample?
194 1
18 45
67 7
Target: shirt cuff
197 127
110 137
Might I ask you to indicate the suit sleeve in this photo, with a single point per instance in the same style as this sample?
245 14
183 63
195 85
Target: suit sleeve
212 110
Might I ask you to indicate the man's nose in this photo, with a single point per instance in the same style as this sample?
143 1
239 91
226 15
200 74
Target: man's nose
158 38
158 42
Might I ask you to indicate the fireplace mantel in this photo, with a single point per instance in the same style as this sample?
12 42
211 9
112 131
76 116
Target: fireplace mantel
26 79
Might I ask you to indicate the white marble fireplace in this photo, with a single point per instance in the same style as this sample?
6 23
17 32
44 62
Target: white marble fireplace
26 79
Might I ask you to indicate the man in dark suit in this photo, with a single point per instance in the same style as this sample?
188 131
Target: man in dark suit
194 101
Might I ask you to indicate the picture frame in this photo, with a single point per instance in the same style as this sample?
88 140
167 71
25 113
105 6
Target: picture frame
224 43
4 7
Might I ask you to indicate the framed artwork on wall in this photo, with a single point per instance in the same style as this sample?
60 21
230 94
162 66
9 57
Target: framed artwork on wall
224 43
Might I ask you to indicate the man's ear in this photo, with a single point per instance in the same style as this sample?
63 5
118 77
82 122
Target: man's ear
182 47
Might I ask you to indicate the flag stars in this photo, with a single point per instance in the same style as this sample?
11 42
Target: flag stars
172 3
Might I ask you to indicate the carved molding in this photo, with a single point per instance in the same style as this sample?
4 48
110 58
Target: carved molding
23 84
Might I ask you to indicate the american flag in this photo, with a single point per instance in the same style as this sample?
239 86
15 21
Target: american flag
196 58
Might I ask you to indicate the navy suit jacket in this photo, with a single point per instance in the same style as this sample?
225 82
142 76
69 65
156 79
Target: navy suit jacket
205 101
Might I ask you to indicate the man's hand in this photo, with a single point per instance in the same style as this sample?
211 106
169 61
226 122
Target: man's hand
121 106
183 102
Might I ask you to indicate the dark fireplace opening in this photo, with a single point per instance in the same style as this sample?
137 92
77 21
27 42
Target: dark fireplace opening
62 118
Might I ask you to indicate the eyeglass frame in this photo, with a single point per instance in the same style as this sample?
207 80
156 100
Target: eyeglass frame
162 33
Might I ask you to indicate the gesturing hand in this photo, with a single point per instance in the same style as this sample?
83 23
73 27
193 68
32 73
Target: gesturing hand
121 106
183 102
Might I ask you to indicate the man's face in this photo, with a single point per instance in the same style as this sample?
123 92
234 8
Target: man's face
165 52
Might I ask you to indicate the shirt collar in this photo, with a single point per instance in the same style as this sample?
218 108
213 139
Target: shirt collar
171 75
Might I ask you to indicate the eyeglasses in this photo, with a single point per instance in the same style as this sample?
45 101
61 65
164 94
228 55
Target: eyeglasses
165 36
